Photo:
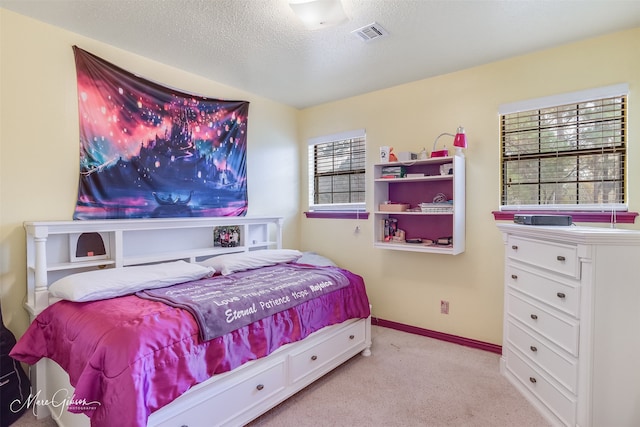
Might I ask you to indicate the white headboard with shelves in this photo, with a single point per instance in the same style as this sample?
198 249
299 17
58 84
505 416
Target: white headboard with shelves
51 245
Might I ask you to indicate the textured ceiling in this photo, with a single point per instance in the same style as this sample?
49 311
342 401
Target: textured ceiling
260 46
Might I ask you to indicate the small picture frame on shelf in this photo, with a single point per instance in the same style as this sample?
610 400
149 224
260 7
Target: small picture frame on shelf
227 236
88 246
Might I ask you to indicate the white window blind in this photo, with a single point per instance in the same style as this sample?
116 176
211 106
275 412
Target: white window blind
565 156
337 171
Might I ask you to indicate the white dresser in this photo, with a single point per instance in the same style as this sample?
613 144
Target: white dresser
571 340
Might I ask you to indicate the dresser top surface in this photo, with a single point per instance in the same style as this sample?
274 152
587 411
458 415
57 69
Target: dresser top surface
574 234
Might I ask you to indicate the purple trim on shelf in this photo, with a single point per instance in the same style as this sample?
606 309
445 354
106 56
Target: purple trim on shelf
337 214
493 348
577 216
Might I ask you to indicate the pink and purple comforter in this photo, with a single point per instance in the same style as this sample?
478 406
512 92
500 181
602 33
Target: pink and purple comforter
132 356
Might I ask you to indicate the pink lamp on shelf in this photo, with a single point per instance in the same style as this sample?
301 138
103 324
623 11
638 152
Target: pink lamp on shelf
459 141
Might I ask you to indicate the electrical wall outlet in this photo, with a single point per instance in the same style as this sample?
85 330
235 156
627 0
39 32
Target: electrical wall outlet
444 307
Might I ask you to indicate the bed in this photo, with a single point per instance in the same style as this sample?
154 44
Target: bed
143 353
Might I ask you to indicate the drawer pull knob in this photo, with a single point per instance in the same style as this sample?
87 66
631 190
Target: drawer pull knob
534 316
533 380
514 247
561 258
534 348
351 337
561 295
259 387
514 276
314 357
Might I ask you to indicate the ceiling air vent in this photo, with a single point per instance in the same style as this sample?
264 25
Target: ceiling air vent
370 32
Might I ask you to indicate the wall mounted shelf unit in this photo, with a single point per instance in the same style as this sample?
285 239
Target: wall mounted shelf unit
422 181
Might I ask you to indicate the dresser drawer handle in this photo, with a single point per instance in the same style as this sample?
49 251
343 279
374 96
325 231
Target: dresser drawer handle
514 276
561 295
561 258
259 387
534 348
534 316
314 357
514 247
533 380
351 337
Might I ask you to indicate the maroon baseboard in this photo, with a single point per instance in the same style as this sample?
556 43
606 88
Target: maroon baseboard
494 348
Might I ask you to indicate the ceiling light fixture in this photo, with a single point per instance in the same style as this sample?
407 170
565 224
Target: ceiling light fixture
316 14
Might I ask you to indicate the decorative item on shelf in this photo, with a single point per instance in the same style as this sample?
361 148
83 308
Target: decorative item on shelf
440 205
384 154
393 207
407 156
393 172
436 208
444 241
459 142
88 246
446 169
389 228
226 236
392 156
398 236
423 154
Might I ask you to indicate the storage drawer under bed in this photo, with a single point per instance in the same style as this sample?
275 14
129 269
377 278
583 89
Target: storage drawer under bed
233 400
310 362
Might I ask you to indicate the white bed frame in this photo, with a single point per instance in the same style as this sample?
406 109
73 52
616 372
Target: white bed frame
233 398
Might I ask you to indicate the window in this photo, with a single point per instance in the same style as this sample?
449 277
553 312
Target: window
337 172
565 155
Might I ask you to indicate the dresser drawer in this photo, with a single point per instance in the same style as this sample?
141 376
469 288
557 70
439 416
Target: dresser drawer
561 330
232 400
313 361
545 288
551 256
562 404
561 367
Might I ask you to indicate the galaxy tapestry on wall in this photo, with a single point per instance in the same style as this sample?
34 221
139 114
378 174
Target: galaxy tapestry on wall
150 151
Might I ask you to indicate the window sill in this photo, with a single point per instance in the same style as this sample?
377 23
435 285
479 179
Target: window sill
577 216
337 214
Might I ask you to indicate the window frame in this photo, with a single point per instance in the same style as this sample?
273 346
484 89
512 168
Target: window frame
605 212
332 210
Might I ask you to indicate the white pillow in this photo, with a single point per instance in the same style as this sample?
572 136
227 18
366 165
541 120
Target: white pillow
313 258
114 282
231 263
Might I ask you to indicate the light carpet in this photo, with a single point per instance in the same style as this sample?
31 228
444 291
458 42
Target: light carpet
409 380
